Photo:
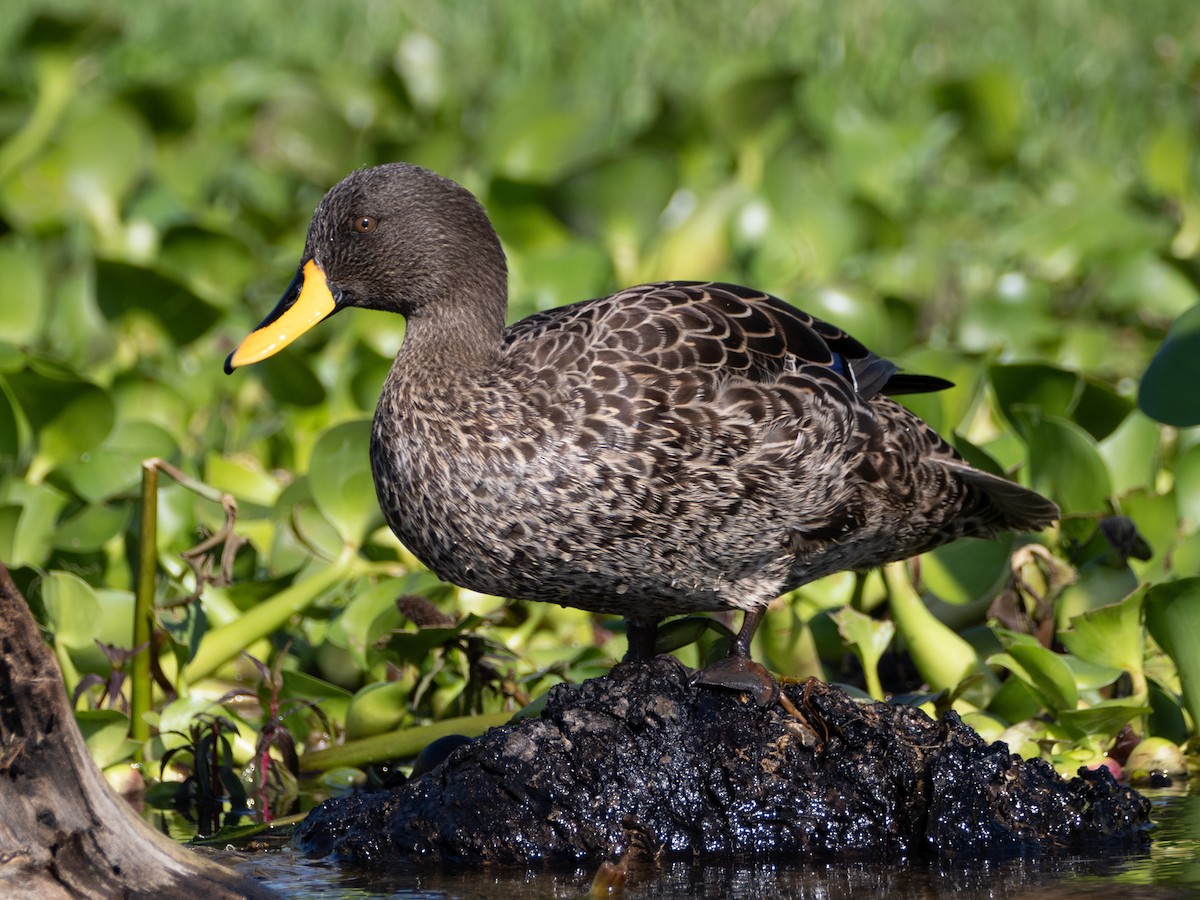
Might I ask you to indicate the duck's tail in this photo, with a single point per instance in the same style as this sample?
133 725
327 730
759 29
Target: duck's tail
1009 506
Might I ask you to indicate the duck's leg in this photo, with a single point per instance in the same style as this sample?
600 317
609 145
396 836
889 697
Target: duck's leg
642 634
737 671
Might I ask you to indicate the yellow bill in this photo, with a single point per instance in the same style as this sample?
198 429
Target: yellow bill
306 302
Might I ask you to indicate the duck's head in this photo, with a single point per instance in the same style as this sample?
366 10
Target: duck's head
394 237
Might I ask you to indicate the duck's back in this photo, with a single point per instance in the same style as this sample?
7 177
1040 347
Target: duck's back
677 446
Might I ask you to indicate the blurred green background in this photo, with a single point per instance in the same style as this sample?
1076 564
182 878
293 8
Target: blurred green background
1001 194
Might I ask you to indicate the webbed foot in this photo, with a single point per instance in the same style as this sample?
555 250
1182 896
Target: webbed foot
739 673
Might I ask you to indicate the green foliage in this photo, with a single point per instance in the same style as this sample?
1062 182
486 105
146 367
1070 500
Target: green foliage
1173 613
1013 207
340 477
1162 393
867 639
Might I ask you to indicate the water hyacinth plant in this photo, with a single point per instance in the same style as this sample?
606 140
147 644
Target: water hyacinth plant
1019 214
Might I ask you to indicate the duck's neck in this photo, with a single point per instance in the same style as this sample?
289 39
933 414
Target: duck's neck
462 332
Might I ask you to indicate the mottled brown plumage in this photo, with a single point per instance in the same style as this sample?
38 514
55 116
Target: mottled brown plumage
673 447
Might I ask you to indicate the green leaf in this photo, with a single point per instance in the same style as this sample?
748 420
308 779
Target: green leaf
947 409
1042 670
1106 718
414 646
1111 636
369 617
987 725
106 733
57 75
1173 618
1151 287
1015 701
10 437
115 467
868 639
747 102
1014 316
1101 582
554 276
874 159
243 477
94 160
123 289
72 609
1050 389
10 516
686 630
179 713
377 708
92 527
216 265
302 132
69 416
186 625
1156 517
992 105
1132 453
1166 719
1167 158
315 532
1168 389
116 623
967 569
158 397
290 379
22 291
34 532
787 642
537 137
340 476
1090 676
980 458
1100 409
332 700
1187 486
1064 462
599 199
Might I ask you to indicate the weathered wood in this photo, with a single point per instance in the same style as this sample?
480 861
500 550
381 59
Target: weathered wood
63 831
642 762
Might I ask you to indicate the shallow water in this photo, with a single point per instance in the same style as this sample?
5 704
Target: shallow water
1169 868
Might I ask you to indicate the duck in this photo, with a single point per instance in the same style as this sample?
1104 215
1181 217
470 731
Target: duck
671 448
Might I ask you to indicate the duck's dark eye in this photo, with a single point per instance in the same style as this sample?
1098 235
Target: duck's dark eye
365 224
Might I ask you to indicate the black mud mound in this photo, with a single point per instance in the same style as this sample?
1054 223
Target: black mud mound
641 760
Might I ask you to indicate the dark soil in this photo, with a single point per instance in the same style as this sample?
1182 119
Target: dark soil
640 760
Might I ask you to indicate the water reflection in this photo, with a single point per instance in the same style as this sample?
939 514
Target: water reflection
1170 868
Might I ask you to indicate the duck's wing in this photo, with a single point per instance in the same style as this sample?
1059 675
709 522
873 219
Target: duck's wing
712 360
681 326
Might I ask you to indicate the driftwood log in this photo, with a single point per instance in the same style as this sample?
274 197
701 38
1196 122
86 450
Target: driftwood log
63 831
642 765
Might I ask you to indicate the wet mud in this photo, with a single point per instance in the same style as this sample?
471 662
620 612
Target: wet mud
642 765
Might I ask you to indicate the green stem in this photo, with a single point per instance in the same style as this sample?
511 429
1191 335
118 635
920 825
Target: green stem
942 658
874 685
143 608
57 81
399 744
